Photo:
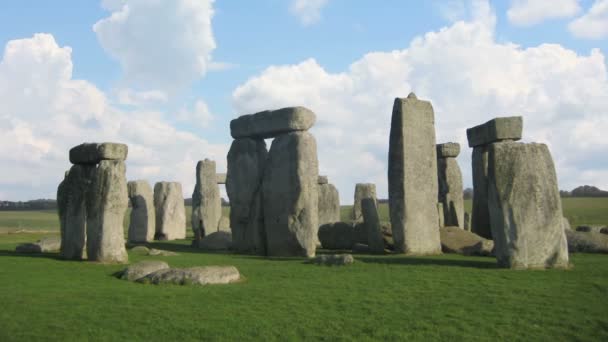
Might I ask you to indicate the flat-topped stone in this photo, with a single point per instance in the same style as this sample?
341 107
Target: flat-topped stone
498 129
448 150
271 123
93 153
322 180
220 178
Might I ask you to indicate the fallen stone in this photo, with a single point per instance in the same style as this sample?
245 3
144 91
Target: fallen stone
143 218
459 241
28 248
206 275
372 223
337 235
93 153
272 123
160 252
360 248
581 242
206 202
141 250
604 230
329 204
495 130
220 178
333 259
141 269
449 179
218 241
170 211
448 150
587 229
525 207
412 177
323 180
362 190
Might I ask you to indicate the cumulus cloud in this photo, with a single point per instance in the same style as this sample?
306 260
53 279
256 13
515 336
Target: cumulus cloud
308 11
532 12
161 44
199 115
469 76
45 111
593 24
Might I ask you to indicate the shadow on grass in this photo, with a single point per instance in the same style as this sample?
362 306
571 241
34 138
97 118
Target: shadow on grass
47 255
425 261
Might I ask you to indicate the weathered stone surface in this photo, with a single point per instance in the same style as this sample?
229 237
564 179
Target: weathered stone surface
372 224
170 211
272 123
62 203
525 207
480 217
160 252
581 242
448 150
456 240
142 269
73 237
206 275
333 259
362 190
322 180
329 204
450 192
337 235
441 214
142 223
220 178
141 250
93 153
44 245
495 130
217 241
359 232
566 224
224 225
246 163
206 202
587 229
107 204
290 194
604 230
412 177
467 222
360 248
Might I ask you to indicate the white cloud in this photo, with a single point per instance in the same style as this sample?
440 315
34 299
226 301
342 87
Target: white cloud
45 111
161 44
563 97
532 12
308 11
199 115
593 24
127 96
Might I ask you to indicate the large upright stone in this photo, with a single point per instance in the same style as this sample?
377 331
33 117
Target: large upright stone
170 211
450 185
362 190
206 202
498 129
93 153
480 216
62 203
525 207
371 221
329 204
107 204
73 237
272 123
246 162
412 177
142 225
290 195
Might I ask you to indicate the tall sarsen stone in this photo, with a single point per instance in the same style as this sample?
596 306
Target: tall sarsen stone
142 224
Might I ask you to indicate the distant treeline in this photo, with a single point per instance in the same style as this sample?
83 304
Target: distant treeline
51 204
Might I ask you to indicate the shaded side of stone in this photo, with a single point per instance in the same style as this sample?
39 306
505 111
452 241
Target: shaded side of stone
480 217
372 224
329 204
450 192
142 224
73 238
206 202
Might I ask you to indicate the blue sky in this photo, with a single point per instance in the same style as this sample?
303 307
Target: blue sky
166 77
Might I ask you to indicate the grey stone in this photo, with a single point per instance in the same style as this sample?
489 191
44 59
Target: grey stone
359 232
525 207
224 225
480 217
217 241
44 245
141 269
329 204
28 248
107 204
206 202
459 241
272 123
220 178
322 180
448 150
337 235
73 237
587 229
467 222
200 275
360 248
372 224
441 214
566 223
93 153
160 252
449 178
141 250
62 203
170 211
604 230
581 242
142 224
495 130
362 190
246 163
333 259
290 194
412 177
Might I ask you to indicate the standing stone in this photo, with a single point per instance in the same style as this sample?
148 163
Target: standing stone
412 177
107 204
450 184
441 214
362 190
525 207
143 218
206 202
329 204
246 163
170 211
62 203
372 225
290 195
73 238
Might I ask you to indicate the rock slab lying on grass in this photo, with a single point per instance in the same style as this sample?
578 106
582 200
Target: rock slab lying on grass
333 259
337 235
93 153
272 123
143 218
142 269
460 241
581 242
44 245
206 202
200 275
170 211
218 241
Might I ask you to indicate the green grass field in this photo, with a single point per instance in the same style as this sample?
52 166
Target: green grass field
391 297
